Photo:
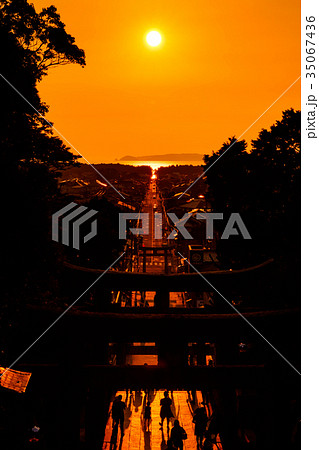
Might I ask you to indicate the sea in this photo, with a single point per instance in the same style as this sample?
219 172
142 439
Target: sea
156 164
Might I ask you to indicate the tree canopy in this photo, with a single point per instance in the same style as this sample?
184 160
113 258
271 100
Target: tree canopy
32 42
31 154
42 36
263 185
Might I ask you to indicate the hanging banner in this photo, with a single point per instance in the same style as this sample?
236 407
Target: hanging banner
13 379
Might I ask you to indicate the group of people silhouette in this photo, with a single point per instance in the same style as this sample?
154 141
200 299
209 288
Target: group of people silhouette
178 434
205 437
203 430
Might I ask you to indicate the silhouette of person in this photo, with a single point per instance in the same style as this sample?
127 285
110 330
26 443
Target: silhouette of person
118 413
166 411
178 435
147 416
200 419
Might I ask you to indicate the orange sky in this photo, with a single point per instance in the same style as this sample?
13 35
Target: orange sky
221 64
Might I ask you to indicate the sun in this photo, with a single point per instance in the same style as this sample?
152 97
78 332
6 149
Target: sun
153 38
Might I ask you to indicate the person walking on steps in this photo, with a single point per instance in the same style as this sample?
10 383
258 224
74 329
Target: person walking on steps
166 411
147 417
178 435
118 413
200 420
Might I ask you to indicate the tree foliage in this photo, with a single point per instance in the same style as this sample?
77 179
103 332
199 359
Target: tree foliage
263 185
42 36
31 154
32 42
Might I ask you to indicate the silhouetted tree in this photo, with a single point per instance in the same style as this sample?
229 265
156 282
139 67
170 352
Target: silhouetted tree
227 179
31 155
32 43
42 36
276 157
263 185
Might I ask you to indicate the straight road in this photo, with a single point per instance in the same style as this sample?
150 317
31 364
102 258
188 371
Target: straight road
155 264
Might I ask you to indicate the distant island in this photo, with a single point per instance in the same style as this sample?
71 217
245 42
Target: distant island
165 157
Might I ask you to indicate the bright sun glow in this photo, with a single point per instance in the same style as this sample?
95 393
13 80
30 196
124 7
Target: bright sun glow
153 38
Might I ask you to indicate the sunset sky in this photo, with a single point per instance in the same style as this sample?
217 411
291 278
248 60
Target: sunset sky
219 66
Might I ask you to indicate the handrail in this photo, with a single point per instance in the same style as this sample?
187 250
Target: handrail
180 275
